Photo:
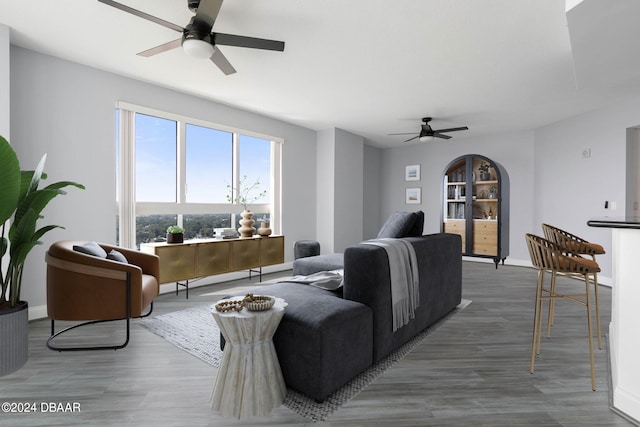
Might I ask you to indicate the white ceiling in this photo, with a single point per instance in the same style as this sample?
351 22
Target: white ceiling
370 67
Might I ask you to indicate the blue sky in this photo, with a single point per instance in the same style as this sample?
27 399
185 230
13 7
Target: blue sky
208 161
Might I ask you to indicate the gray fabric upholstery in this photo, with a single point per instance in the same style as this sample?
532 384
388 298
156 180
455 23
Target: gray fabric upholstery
117 256
91 248
367 281
418 226
398 225
323 341
310 265
305 248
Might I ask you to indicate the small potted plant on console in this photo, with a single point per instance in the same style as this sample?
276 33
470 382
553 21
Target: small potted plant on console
175 234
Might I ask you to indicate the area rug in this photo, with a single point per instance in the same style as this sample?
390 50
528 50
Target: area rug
195 331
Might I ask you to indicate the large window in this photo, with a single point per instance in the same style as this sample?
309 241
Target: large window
176 170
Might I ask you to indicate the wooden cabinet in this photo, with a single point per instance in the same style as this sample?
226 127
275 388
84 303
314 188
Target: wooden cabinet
476 206
206 257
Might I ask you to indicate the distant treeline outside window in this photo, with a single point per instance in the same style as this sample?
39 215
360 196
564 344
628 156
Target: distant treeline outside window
153 228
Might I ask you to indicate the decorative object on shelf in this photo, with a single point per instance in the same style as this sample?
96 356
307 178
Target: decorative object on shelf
264 230
413 196
242 196
22 202
484 171
246 224
175 234
412 173
493 192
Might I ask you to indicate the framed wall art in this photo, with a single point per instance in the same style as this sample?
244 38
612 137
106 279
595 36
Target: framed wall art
412 173
413 196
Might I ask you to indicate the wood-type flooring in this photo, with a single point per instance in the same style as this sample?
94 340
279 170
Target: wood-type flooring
474 371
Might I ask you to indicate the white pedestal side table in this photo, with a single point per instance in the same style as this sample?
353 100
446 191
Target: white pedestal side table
249 381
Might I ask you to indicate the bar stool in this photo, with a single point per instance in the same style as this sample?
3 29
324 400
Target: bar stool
547 256
578 246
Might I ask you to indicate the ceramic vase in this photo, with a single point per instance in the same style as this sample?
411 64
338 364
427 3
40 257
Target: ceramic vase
246 224
264 230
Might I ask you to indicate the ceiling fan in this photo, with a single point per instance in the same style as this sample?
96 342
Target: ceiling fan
197 38
428 134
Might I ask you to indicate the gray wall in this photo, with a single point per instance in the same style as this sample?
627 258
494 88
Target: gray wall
632 196
67 110
4 82
339 189
514 151
570 189
371 220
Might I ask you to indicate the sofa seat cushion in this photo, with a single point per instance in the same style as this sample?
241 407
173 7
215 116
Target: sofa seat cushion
314 264
323 341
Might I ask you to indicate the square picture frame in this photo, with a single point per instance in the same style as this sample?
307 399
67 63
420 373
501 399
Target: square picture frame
412 173
413 196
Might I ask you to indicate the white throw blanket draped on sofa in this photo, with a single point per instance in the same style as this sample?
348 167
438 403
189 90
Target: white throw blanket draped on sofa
403 269
329 280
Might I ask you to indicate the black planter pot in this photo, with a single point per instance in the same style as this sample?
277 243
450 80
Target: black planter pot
175 237
14 338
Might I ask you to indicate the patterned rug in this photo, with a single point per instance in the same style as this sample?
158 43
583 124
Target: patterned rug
195 331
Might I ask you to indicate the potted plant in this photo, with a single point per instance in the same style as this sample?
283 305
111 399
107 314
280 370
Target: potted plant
493 192
241 195
484 171
21 205
175 234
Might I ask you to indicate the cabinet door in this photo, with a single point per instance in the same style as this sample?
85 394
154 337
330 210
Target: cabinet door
245 253
271 250
457 226
485 237
214 258
177 262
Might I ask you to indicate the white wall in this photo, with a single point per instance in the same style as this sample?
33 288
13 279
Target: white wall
514 151
67 110
570 189
349 172
632 196
371 220
326 153
340 157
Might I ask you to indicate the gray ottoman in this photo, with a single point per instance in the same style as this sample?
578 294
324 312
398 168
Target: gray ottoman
305 248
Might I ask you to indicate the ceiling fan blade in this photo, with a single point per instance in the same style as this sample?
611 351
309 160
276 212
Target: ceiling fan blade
143 15
162 48
208 12
411 139
244 41
221 62
452 129
439 135
405 133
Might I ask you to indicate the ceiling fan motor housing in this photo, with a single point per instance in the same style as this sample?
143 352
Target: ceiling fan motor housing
196 30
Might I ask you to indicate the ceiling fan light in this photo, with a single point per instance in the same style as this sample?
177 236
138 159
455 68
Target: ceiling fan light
197 48
426 138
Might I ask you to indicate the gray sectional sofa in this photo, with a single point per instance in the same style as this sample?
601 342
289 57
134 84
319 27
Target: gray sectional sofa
326 338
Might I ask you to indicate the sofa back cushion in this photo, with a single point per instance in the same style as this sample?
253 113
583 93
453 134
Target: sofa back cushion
398 225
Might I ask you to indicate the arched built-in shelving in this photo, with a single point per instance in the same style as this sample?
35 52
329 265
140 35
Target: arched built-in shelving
476 206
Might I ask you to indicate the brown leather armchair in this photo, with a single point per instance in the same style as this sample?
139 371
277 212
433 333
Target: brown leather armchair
82 287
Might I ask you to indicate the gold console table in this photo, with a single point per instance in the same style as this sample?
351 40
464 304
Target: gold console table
206 257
